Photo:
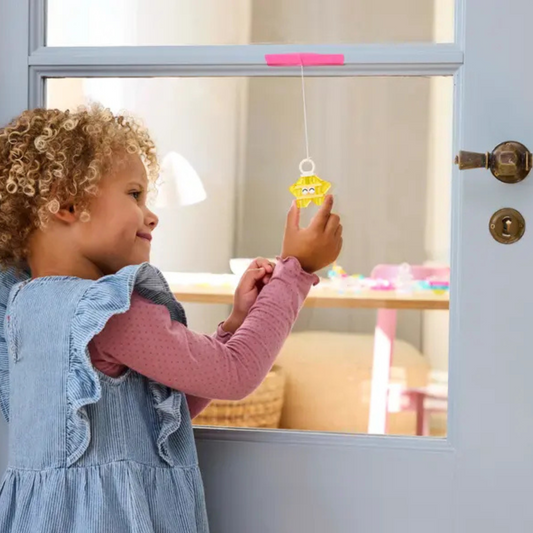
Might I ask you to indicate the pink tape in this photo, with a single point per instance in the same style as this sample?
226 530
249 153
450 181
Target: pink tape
306 60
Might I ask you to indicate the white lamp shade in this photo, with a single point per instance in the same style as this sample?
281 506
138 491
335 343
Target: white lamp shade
180 184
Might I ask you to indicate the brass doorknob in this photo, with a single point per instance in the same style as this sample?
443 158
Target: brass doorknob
509 162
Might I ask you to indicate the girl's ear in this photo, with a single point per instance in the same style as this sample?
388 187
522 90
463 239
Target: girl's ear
67 214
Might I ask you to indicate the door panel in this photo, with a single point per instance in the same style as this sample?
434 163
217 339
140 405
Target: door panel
350 486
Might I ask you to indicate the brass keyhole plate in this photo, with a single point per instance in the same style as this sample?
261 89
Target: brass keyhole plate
507 226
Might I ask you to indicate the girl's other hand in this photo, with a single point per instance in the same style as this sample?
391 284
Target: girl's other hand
318 245
256 276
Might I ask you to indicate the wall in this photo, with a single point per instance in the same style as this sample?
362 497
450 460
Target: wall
342 21
91 23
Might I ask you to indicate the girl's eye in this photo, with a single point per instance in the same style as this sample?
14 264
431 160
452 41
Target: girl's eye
136 195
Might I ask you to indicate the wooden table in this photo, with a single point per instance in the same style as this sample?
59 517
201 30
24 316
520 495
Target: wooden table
219 289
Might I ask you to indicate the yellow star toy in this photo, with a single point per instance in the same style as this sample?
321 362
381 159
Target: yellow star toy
309 188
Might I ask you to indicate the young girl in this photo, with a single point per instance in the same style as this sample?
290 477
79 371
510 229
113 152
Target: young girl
99 375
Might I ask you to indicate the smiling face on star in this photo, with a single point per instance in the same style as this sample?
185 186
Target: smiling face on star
310 189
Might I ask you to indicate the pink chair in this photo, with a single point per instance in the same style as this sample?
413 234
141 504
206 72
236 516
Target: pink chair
383 349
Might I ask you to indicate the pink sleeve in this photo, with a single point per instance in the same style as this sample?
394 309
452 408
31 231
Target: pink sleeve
148 341
106 363
196 403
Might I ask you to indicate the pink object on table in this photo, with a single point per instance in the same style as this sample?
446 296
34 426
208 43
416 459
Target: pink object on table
305 60
439 283
383 285
384 344
419 272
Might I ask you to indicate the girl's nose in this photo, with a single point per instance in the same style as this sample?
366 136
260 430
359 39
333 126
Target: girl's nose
151 219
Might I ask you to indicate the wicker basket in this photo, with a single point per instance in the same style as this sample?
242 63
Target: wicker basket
262 409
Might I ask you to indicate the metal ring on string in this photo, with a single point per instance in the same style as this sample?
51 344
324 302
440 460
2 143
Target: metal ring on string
302 164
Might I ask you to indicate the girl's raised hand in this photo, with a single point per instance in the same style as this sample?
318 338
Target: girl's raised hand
318 245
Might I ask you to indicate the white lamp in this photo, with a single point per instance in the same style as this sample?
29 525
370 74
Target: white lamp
180 184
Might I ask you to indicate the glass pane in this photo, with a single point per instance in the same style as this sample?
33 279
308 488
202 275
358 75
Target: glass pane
385 145
218 22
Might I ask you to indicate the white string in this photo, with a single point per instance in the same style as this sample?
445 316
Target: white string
305 114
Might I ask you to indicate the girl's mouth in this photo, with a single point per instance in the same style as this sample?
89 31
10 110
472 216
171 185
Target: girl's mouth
146 236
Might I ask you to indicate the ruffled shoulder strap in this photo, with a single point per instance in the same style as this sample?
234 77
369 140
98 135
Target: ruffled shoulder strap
104 298
8 279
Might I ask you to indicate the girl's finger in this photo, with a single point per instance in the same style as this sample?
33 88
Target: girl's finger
322 216
251 277
265 263
333 223
339 246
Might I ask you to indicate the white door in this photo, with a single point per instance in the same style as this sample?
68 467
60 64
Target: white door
478 479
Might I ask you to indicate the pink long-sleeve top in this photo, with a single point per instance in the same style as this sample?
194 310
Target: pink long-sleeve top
223 366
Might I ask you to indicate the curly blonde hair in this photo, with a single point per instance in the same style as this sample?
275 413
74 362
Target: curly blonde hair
49 158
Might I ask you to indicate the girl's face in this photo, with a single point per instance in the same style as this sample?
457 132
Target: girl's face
119 231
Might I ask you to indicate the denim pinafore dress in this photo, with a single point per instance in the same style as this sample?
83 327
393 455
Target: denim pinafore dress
89 453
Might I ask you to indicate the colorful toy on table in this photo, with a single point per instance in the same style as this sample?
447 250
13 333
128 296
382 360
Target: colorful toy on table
404 279
336 271
309 188
340 280
439 287
381 285
436 286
